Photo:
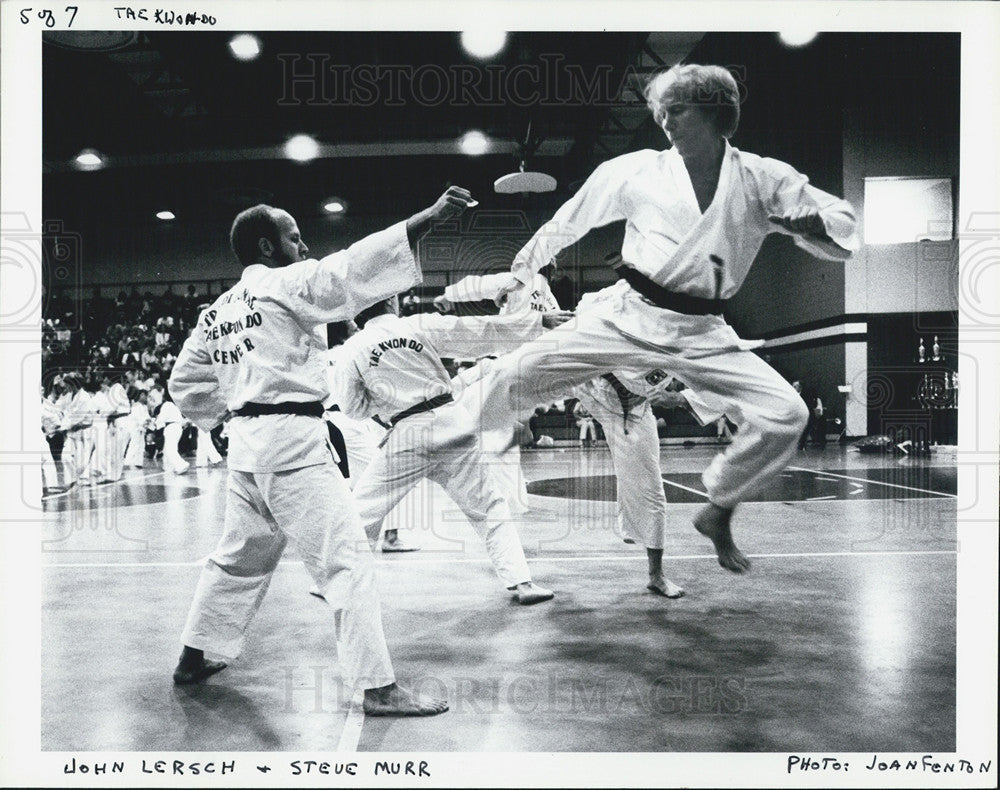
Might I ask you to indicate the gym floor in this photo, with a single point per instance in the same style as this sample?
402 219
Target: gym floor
841 638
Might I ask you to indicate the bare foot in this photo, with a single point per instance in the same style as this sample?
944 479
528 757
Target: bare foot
394 700
661 585
713 523
528 593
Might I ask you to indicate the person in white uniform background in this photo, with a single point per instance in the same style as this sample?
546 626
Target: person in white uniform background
360 440
170 419
77 418
585 422
257 359
695 217
111 438
206 453
392 368
137 422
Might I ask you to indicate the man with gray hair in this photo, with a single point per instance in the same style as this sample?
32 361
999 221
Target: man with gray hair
695 217
258 356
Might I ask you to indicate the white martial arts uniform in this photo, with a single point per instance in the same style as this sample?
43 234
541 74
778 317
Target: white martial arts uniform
500 445
172 423
264 341
114 432
78 417
136 426
394 364
205 451
51 419
100 405
585 422
629 427
670 241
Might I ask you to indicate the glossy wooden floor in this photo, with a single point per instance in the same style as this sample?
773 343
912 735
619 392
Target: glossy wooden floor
841 639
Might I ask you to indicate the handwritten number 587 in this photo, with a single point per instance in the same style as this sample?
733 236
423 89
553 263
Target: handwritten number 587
47 17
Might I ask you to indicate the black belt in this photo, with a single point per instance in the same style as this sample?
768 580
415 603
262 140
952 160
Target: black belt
310 409
427 405
669 300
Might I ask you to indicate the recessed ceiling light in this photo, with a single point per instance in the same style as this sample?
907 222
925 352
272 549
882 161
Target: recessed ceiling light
483 43
333 207
797 36
474 143
165 215
301 148
89 158
244 46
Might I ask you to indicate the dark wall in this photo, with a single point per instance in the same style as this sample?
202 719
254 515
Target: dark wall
904 392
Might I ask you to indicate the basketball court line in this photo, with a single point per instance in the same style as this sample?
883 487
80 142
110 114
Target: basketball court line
556 560
691 490
100 489
873 482
351 733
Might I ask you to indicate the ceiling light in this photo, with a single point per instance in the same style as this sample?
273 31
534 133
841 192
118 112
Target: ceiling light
301 148
474 143
483 43
797 36
244 46
89 159
165 215
333 207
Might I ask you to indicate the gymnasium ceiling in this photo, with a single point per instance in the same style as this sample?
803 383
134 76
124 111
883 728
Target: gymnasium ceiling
185 126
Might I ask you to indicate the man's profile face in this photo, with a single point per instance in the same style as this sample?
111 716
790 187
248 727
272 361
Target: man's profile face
290 247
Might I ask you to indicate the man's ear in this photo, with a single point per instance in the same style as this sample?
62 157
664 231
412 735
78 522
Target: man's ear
265 246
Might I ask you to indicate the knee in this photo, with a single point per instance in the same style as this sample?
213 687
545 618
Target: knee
795 415
787 417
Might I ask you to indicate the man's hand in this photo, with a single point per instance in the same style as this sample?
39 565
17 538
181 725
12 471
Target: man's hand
453 202
802 220
556 318
442 304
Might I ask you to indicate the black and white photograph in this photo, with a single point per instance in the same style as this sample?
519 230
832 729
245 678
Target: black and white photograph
609 399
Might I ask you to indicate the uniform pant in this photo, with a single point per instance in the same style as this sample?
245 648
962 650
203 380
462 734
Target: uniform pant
502 452
440 446
99 457
117 440
172 461
312 507
743 383
136 444
80 446
205 453
635 454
